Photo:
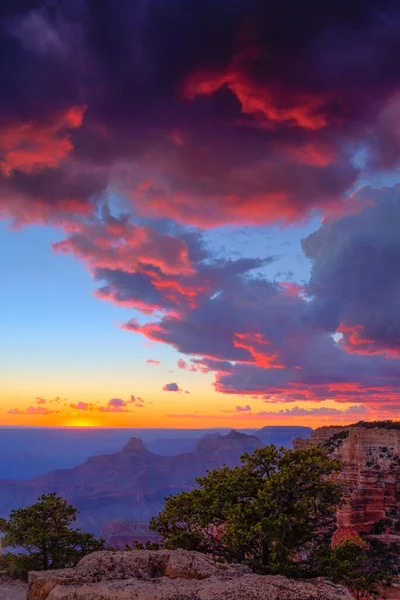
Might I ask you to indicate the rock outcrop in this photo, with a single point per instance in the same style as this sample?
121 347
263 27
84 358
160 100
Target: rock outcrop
171 575
371 474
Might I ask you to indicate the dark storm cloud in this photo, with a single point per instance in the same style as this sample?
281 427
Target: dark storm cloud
204 111
355 278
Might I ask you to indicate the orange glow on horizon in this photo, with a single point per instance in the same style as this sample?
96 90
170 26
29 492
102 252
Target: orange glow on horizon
79 422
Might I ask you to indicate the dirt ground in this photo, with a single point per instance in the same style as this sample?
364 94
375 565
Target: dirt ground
12 590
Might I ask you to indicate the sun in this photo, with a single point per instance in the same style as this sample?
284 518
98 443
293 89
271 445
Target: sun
81 423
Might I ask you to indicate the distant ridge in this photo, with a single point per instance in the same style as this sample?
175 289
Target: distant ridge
130 484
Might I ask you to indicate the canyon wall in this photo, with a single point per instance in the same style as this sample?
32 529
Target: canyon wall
371 474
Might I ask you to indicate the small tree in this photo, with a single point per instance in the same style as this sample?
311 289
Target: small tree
268 512
43 531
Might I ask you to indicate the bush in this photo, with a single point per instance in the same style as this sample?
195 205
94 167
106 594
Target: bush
352 565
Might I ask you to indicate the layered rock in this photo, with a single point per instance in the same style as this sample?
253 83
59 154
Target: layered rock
171 575
371 473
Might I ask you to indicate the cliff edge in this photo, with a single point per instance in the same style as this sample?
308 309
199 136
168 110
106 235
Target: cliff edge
171 575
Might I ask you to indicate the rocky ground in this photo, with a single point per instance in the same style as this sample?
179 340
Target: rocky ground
12 590
171 575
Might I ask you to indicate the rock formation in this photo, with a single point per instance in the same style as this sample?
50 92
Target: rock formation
371 473
282 435
171 575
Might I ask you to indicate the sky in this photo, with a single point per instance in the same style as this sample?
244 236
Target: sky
199 213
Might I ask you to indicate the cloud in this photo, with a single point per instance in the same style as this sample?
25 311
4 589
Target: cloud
151 361
355 280
86 406
116 243
171 387
239 409
29 146
185 366
350 413
246 408
323 411
261 340
219 133
116 402
40 400
32 410
113 405
136 401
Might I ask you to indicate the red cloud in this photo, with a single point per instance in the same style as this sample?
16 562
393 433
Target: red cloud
257 346
266 104
28 146
355 341
151 361
118 244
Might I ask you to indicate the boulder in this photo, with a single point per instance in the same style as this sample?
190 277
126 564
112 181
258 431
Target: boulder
171 575
41 583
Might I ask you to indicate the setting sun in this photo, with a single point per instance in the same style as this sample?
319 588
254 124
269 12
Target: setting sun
79 422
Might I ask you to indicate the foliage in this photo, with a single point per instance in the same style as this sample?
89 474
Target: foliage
266 513
385 556
44 534
147 545
336 441
389 424
351 564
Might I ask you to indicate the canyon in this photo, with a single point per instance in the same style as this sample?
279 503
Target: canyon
117 494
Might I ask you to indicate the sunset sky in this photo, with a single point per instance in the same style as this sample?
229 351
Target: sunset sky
200 212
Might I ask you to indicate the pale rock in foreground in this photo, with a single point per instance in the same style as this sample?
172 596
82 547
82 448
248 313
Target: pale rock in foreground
170 575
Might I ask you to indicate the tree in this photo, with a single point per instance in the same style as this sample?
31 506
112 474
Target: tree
44 532
267 512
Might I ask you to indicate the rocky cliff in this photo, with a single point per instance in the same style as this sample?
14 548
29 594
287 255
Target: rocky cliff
171 575
129 485
371 473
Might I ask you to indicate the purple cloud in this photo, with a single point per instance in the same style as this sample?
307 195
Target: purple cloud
171 387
